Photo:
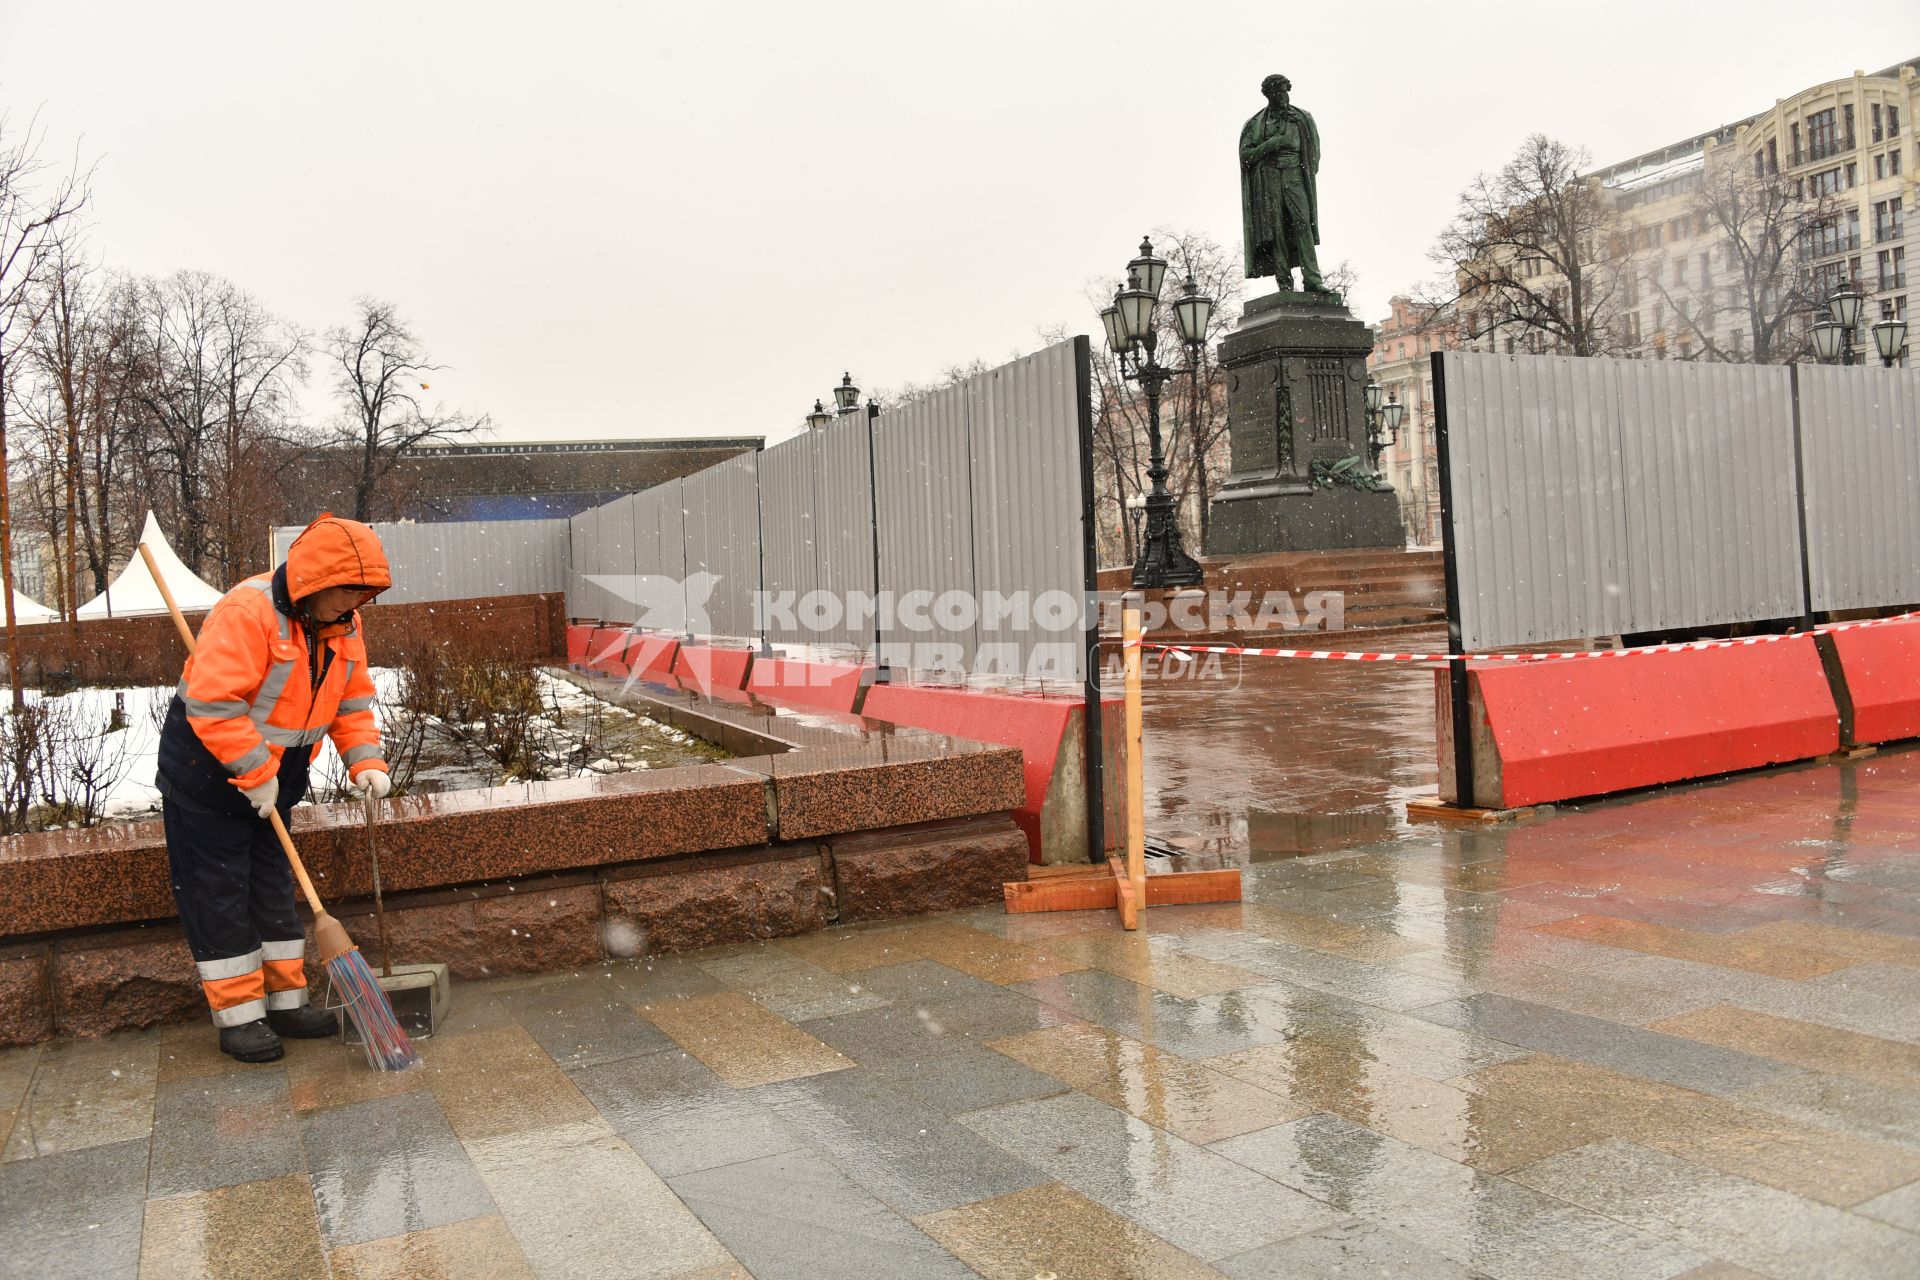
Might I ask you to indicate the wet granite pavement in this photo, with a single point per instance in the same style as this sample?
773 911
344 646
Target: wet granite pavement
1673 1034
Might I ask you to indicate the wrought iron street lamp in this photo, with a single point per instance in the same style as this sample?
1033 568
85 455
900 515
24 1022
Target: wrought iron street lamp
1383 424
1889 336
819 417
846 396
1133 338
1844 306
1828 337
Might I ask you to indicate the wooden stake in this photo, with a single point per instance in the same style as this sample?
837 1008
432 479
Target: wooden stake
1124 885
1136 763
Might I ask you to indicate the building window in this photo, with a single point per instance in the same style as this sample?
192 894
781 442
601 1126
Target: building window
1706 265
1826 182
1679 270
1853 175
1893 121
1823 134
1846 130
1888 223
1875 109
1893 269
1853 227
1879 168
1893 162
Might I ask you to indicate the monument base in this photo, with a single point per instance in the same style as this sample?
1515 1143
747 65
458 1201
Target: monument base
1262 518
1296 410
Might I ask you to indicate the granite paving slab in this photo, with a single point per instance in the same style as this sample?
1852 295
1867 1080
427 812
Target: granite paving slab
797 1217
1192 1028
87 1093
1185 1194
235 1232
1670 1058
1771 1231
582 1025
1355 1247
1054 1230
212 1131
388 1166
74 1213
1183 1097
1843 1104
579 1201
457 1251
1477 1220
792 986
744 1043
912 1156
680 1116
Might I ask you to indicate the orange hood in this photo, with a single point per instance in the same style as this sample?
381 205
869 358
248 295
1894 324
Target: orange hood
332 552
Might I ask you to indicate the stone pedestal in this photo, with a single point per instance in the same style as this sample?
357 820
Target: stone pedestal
1296 396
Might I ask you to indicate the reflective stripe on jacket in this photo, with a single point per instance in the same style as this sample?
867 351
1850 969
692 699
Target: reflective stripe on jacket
249 690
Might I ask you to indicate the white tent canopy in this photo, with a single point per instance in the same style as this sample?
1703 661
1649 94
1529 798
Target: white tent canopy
27 611
134 591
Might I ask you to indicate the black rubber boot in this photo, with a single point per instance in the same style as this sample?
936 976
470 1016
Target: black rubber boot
304 1023
251 1042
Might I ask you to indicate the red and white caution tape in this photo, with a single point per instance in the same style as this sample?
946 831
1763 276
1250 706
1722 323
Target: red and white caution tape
1187 651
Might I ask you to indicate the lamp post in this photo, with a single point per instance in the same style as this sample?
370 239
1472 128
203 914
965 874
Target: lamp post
819 417
846 396
1385 429
1136 512
1844 306
1133 337
1889 335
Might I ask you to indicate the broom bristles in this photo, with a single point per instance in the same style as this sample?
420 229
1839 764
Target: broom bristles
387 1045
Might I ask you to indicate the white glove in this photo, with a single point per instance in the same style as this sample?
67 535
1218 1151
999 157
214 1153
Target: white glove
264 796
375 783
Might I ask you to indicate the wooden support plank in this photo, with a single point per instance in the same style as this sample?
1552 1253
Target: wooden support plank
1094 889
1060 894
1124 898
1428 808
1187 887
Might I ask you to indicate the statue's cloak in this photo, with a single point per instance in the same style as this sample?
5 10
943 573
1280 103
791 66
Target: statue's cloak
1263 187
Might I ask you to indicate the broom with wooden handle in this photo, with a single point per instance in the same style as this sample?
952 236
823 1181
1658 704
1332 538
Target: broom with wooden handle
388 1048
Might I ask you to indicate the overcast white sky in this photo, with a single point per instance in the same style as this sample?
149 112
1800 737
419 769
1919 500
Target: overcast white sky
674 219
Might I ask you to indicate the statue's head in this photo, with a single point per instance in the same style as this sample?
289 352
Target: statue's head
1276 88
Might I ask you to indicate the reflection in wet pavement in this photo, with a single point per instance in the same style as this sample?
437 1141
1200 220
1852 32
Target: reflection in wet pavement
1669 1034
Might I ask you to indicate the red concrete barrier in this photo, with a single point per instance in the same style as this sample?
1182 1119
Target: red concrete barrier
606 650
650 655
706 667
828 686
577 638
1879 675
1051 737
1557 729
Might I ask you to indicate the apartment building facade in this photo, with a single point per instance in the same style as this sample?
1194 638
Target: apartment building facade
1845 152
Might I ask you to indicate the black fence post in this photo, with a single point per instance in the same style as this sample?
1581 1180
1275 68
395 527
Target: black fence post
1800 502
1096 746
1458 687
881 675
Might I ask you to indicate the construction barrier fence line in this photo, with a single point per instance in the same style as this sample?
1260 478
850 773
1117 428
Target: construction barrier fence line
1187 651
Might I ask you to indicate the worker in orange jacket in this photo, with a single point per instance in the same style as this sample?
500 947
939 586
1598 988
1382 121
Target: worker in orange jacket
280 663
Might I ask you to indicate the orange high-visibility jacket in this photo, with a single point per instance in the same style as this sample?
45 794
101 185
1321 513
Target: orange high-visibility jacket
249 690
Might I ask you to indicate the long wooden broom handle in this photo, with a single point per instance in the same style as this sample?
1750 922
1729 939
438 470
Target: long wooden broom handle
273 815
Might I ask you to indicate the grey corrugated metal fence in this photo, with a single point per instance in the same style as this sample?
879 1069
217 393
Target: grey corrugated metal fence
1861 433
466 559
979 498
1597 497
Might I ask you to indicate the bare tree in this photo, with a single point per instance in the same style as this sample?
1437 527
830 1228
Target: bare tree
217 375
1535 247
380 375
39 208
1767 231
